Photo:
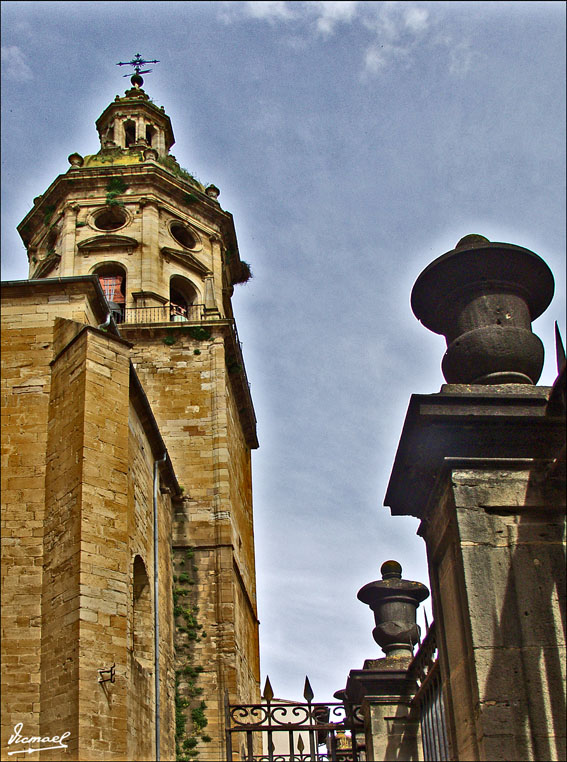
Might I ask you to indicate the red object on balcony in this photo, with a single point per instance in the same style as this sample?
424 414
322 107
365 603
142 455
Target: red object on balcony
111 285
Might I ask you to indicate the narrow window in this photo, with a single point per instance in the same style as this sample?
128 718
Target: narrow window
150 132
130 133
142 628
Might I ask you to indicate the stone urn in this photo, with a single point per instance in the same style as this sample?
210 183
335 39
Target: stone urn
394 602
483 296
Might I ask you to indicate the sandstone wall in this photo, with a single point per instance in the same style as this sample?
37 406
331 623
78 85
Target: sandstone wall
27 349
78 453
496 547
189 388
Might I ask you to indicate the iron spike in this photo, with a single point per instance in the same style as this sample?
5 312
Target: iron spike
268 692
308 691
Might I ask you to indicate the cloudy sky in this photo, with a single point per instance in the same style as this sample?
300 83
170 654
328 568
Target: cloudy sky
354 142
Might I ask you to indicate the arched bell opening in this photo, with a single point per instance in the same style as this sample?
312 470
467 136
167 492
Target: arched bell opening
112 278
150 135
183 299
129 133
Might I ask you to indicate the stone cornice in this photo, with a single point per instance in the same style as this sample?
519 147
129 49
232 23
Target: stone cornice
510 421
149 172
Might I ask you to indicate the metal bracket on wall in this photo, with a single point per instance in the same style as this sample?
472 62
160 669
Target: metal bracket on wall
110 672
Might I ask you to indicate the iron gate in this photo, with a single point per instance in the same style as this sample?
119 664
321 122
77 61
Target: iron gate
285 731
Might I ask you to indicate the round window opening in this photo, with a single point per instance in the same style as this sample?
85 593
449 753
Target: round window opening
110 219
183 235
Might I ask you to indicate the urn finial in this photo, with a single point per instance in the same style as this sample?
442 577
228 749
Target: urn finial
394 602
483 296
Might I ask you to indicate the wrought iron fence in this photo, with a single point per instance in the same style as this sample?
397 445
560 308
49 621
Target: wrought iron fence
429 699
168 313
285 731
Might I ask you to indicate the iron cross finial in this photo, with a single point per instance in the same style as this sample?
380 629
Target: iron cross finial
137 62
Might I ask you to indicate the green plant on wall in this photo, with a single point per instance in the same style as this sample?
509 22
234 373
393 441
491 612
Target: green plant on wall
245 273
198 333
170 163
190 717
114 188
169 339
233 366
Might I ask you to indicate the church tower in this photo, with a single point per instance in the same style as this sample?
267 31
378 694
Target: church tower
166 256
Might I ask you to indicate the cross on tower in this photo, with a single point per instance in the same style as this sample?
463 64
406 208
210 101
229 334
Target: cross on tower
137 62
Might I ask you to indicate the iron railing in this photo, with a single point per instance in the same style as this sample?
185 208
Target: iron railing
168 313
429 698
285 731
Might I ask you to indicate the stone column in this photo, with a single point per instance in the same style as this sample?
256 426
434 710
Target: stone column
211 309
149 278
217 268
383 687
480 465
68 234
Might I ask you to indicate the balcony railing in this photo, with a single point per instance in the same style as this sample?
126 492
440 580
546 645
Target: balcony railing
168 313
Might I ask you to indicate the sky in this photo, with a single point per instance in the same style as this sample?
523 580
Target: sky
354 142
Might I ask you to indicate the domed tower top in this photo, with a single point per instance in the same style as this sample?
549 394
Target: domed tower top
132 122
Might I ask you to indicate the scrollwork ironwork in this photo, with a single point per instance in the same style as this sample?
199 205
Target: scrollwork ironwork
321 724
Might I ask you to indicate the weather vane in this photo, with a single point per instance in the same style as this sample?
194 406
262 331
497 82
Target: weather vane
137 62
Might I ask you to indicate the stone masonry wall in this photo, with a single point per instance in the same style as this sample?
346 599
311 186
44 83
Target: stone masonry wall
25 397
244 563
75 454
85 589
496 545
188 388
27 349
141 689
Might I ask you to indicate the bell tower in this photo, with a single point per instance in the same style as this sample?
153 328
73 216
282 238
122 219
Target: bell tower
167 258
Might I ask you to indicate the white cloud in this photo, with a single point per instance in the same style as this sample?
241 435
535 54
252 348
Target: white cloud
268 10
329 14
271 11
416 19
326 13
374 60
398 29
461 58
14 64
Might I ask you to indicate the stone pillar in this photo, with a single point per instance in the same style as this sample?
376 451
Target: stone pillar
383 687
480 465
68 235
211 309
149 277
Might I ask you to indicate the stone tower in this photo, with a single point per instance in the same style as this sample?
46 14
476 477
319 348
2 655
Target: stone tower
166 256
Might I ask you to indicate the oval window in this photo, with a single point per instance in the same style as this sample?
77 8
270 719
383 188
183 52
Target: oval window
110 219
183 235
